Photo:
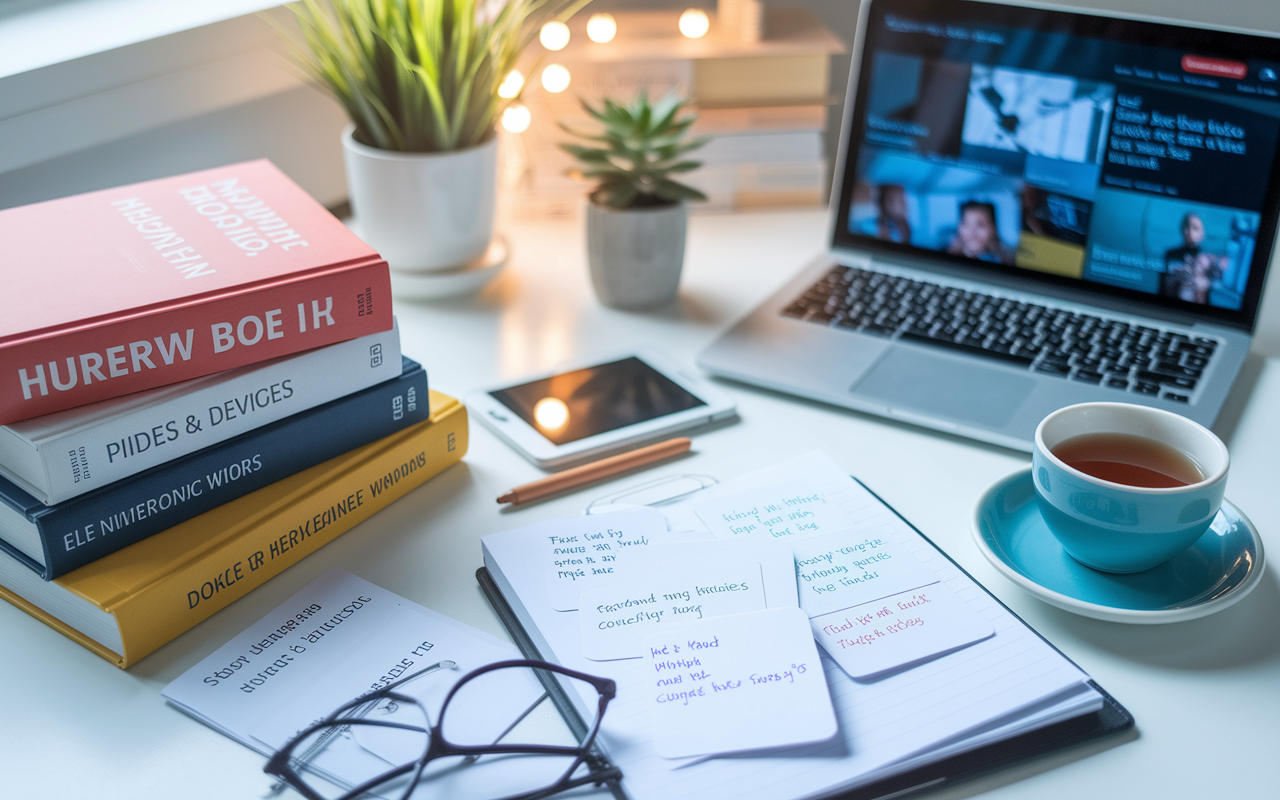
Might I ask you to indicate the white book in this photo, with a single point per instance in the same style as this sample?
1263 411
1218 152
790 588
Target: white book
63 455
765 147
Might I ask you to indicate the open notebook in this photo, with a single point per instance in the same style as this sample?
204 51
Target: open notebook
1007 697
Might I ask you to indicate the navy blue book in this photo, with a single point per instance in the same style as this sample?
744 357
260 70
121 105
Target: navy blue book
53 540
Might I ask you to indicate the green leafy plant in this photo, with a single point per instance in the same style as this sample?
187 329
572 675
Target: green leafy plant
421 75
640 146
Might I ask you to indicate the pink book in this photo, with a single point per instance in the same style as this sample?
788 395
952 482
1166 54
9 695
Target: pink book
113 292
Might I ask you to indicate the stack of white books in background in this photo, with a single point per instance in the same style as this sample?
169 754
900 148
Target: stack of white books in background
763 103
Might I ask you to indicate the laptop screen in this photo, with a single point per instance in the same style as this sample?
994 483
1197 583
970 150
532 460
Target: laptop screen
1132 158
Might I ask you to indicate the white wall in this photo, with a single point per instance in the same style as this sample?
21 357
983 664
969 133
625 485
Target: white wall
297 127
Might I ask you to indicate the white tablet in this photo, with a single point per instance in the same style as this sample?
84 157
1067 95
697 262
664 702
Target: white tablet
586 411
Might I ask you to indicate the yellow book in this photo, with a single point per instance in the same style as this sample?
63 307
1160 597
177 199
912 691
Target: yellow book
129 603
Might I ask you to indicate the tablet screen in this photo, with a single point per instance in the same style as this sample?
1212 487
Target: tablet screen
574 405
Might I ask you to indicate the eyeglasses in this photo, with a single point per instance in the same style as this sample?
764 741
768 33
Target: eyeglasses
487 741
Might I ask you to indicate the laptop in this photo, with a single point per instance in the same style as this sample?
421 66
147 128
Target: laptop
1032 208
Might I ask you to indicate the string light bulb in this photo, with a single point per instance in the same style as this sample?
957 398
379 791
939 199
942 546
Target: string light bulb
602 28
555 78
554 35
516 118
694 23
511 85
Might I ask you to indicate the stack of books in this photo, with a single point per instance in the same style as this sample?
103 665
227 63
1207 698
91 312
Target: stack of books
763 103
200 384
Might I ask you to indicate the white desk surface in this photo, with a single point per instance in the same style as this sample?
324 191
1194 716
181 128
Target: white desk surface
1206 693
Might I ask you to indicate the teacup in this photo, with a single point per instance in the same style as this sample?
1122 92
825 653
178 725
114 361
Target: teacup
1120 527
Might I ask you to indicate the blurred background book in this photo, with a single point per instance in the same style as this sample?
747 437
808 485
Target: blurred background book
763 102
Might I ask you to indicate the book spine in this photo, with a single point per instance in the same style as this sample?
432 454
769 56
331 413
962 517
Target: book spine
101 522
100 359
266 545
768 147
126 444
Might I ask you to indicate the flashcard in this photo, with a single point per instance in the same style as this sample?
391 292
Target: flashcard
875 608
616 617
777 565
741 682
583 552
782 511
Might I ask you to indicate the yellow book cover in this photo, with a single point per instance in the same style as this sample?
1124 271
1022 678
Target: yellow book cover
155 589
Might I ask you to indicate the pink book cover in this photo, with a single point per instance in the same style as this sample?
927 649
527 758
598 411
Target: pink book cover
116 291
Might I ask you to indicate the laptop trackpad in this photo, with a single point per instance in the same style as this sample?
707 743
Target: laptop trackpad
963 390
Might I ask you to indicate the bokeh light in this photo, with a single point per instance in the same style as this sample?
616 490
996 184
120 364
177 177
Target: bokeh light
555 78
695 23
602 28
554 35
516 118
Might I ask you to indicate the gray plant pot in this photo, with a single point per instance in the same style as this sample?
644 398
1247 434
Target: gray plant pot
635 255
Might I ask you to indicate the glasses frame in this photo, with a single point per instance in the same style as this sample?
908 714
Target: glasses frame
599 770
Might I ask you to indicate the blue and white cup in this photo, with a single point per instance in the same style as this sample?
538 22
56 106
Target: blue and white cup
1115 527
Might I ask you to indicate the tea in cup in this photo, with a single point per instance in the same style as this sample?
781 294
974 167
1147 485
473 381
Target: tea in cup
1126 487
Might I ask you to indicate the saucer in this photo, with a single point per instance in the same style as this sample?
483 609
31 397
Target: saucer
468 278
1223 566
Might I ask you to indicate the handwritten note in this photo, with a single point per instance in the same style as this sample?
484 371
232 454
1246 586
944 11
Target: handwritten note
583 552
782 511
741 682
875 608
776 564
615 618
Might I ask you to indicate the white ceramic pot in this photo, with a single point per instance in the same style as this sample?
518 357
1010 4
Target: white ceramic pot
635 254
423 212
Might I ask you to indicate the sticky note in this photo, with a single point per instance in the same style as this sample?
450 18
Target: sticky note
614 618
782 511
741 682
875 608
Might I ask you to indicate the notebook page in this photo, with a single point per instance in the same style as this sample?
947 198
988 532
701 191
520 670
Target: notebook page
881 723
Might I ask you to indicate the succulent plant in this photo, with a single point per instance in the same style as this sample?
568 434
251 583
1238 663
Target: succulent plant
639 146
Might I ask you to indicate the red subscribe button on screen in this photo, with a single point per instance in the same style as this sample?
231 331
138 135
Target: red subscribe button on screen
1220 67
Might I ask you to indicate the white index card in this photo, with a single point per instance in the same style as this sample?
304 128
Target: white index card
875 608
741 682
777 565
782 511
584 552
616 617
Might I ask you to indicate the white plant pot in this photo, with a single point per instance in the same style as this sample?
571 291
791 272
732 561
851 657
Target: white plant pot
423 212
635 255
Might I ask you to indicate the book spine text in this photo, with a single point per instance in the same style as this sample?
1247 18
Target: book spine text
93 525
91 362
124 445
169 605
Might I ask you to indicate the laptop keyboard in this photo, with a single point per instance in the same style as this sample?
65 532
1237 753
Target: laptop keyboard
1079 347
